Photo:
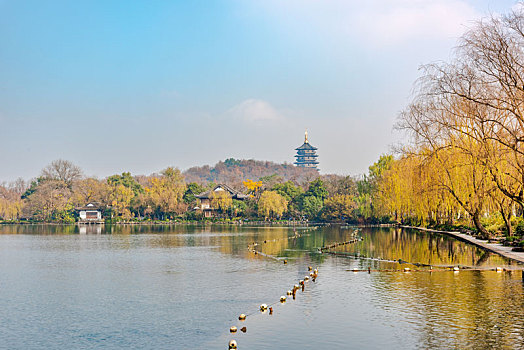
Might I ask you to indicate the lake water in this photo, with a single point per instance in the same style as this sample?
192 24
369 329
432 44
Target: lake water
181 287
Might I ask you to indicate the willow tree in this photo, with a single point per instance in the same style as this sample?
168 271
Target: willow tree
443 129
164 194
221 200
487 74
271 204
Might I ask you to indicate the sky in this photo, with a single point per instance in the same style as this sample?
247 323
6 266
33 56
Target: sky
139 86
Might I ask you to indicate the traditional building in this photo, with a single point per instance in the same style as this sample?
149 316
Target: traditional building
207 197
306 156
92 212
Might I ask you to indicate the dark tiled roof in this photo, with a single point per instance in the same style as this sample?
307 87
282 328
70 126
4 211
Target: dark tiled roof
91 206
306 145
234 194
306 162
314 155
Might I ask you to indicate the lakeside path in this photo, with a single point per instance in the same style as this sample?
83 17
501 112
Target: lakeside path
493 247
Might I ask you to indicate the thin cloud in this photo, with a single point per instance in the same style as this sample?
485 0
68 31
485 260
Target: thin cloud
378 22
255 110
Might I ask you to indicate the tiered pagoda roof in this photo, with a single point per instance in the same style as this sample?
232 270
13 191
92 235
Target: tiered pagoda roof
306 156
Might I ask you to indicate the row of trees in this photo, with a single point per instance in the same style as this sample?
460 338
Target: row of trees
465 159
61 186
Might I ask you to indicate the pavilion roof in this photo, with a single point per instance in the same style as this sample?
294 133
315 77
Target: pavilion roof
306 145
234 194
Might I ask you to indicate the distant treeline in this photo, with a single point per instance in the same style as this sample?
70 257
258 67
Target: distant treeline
61 186
234 171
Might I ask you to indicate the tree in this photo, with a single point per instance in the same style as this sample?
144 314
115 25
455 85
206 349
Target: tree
192 190
288 190
338 207
125 192
90 190
164 194
336 184
121 197
11 203
311 206
126 180
253 187
317 189
51 201
221 200
62 170
271 204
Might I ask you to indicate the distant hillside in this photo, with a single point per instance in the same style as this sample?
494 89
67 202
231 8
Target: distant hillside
233 171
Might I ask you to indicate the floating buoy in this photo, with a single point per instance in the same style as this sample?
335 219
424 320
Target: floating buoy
407 269
242 317
233 344
271 311
243 329
456 268
289 292
285 261
263 307
311 274
309 268
282 299
499 269
233 329
306 278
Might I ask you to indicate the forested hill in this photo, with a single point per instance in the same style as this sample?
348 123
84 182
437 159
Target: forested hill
235 170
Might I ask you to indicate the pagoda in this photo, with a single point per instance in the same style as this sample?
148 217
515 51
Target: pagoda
306 155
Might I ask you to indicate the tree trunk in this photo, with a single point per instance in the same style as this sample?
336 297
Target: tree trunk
450 217
482 230
507 221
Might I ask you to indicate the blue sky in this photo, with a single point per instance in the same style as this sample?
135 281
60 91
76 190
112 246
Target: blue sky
138 86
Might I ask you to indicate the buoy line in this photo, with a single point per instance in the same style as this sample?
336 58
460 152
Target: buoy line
251 247
264 308
455 268
328 250
355 239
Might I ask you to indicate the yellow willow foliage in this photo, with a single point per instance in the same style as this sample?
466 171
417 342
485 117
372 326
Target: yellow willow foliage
395 189
10 210
415 187
272 204
165 194
121 197
221 200
437 183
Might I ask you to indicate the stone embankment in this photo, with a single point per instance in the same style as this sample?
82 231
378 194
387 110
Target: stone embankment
493 247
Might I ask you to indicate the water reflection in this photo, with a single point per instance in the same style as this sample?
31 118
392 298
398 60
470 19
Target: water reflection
137 286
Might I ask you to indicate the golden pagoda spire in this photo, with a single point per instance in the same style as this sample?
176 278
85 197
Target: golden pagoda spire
305 140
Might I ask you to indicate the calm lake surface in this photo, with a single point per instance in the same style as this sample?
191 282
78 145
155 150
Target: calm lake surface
181 287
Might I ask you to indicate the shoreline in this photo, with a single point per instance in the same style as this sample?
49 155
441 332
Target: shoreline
492 247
